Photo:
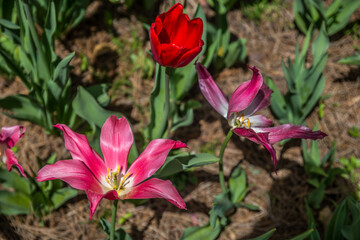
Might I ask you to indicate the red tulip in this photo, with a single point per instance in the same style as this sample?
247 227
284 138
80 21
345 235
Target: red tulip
175 40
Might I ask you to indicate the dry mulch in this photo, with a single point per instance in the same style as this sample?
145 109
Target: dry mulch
280 197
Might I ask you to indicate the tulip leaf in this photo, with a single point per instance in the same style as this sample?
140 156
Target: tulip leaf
205 232
23 107
221 207
236 52
14 181
237 185
120 234
85 105
265 236
183 161
316 197
303 235
355 59
158 113
311 223
13 203
62 195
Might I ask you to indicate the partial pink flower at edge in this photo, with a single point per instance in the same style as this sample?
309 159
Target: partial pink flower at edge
110 178
247 99
8 138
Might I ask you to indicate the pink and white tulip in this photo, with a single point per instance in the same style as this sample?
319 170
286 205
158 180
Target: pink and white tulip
110 178
8 138
247 99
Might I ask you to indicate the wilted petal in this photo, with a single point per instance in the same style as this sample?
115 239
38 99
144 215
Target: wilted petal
245 93
261 100
80 149
10 135
74 172
11 160
211 91
115 141
259 138
156 188
151 159
286 131
260 121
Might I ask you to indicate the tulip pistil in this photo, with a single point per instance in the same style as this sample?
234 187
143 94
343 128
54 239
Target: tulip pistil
115 180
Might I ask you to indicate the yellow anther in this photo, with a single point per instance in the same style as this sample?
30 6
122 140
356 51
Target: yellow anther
118 169
249 124
107 180
123 180
242 118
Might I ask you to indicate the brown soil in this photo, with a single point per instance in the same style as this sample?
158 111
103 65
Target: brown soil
280 197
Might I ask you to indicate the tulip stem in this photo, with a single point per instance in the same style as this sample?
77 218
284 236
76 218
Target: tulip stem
221 170
167 102
113 219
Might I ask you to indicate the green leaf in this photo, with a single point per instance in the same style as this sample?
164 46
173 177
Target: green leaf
265 236
120 234
338 220
236 51
13 203
316 197
354 131
204 233
311 223
62 195
85 105
278 103
9 24
355 59
303 235
183 161
237 185
15 181
158 115
23 107
100 93
61 72
352 231
222 205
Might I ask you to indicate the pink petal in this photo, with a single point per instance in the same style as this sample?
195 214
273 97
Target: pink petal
211 91
286 131
261 100
10 135
157 188
115 141
95 198
80 149
259 121
11 160
259 138
74 172
151 159
245 93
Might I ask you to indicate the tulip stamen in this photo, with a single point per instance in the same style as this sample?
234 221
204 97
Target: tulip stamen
241 121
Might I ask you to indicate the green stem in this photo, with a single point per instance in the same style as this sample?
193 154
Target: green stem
113 219
167 102
221 171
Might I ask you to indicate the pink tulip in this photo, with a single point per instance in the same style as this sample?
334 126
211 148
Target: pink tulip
8 138
110 178
247 99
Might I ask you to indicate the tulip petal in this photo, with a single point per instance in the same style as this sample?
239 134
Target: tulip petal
11 160
170 54
286 131
11 135
188 32
169 19
95 198
188 56
157 188
260 121
116 140
155 44
261 100
80 149
151 159
259 138
245 93
74 172
211 91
